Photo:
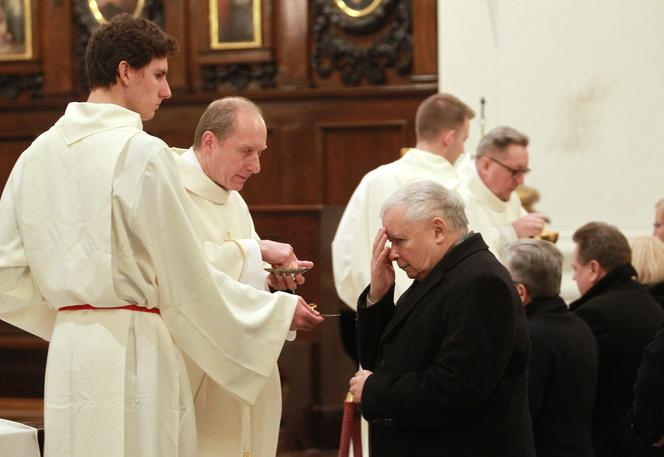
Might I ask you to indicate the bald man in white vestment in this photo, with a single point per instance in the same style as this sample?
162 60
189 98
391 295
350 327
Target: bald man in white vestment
229 140
97 255
441 127
488 186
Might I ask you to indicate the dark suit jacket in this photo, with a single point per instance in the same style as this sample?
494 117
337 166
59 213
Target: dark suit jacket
648 411
657 292
563 373
450 362
624 318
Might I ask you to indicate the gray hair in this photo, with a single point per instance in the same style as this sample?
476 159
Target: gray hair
498 139
425 199
219 117
537 264
659 206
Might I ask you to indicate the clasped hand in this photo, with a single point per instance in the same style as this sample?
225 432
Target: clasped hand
357 384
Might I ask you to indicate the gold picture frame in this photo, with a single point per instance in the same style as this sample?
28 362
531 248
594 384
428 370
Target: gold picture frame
104 11
16 30
358 8
235 24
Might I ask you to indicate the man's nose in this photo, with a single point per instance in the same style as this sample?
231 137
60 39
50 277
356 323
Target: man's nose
165 90
254 164
519 178
394 253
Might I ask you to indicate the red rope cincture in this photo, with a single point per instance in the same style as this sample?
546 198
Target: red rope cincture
128 307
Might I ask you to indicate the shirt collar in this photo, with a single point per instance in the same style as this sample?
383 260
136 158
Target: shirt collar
82 119
196 181
420 156
484 194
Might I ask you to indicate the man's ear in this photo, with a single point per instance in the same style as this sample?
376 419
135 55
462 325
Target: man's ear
522 290
483 164
207 142
448 137
597 272
440 229
123 72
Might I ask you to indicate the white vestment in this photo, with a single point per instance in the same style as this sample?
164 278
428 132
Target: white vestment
353 241
226 426
95 212
488 214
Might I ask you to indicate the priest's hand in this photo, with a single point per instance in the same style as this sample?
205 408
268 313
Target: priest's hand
289 281
282 255
382 271
279 255
357 384
305 317
530 225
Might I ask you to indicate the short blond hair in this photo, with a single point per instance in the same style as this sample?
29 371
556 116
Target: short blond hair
648 259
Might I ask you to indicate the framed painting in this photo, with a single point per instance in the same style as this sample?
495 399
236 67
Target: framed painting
15 30
235 24
104 10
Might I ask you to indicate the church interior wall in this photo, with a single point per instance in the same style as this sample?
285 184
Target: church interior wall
583 81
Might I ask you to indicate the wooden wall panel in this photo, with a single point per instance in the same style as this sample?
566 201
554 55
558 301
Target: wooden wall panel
10 149
22 363
54 35
425 33
350 150
291 35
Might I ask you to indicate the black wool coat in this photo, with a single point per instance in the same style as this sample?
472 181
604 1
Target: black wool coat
648 410
657 292
624 318
450 362
562 377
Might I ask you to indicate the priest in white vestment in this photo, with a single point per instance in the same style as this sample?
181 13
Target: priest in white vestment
488 186
98 255
441 127
229 140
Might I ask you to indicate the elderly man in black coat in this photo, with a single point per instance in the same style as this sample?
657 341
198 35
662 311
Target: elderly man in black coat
624 318
445 369
563 358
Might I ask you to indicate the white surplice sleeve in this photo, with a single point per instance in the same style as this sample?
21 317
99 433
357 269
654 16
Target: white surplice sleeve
21 303
351 246
229 329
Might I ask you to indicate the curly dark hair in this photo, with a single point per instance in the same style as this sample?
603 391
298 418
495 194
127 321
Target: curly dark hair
134 39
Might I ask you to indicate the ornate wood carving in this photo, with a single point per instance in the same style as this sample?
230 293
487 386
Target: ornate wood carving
335 51
359 25
239 76
12 86
86 24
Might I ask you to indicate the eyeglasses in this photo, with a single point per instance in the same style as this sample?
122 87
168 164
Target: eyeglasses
515 171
